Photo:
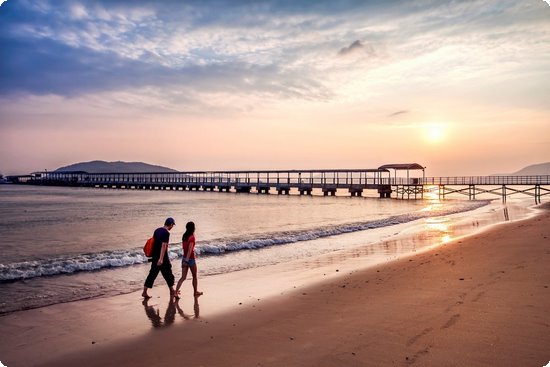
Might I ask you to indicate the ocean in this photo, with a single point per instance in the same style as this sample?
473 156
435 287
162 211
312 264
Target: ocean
62 244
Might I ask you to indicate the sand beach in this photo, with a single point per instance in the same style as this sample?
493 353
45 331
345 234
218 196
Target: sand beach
481 300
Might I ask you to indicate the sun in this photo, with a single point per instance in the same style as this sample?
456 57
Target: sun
435 133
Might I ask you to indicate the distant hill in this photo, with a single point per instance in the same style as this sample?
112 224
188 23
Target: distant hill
532 170
114 167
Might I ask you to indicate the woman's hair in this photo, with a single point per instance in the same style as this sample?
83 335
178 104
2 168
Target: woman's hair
189 230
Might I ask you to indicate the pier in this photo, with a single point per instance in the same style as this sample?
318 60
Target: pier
384 181
355 181
503 186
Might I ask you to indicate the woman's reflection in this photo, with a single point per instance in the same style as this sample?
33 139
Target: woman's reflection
196 309
170 315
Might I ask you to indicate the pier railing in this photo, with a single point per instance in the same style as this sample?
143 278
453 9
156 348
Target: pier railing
355 181
293 178
487 180
474 186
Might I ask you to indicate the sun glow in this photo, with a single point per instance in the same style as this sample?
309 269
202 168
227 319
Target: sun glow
435 133
439 227
431 193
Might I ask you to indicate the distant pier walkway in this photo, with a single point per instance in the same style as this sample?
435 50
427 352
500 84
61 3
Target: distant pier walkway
304 181
384 180
504 186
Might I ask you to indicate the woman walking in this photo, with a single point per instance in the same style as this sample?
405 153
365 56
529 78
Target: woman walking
188 260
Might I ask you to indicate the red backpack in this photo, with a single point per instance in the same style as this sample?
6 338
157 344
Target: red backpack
148 248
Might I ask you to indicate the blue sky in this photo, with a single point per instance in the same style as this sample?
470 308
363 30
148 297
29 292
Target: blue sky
459 86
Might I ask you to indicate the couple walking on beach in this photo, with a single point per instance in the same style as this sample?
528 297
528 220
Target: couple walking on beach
161 261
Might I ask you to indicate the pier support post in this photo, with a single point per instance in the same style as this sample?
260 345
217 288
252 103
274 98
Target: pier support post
472 192
283 190
356 191
262 190
385 191
305 191
329 190
244 189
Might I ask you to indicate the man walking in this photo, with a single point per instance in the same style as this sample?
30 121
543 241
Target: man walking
161 261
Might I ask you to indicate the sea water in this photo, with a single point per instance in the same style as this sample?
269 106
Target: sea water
61 244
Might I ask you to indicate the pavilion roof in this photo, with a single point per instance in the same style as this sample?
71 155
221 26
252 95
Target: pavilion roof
403 166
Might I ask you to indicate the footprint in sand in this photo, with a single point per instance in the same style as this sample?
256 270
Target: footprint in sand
420 353
479 295
416 337
451 321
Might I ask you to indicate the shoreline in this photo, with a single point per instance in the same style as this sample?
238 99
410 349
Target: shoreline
255 314
44 291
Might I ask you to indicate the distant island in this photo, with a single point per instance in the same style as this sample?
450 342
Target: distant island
115 167
532 170
535 169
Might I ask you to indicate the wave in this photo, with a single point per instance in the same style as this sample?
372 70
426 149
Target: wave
120 258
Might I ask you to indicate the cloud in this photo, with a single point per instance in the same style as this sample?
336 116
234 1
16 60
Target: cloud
136 47
271 48
47 67
402 112
357 46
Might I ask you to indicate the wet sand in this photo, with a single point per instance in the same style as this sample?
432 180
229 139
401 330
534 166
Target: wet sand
482 300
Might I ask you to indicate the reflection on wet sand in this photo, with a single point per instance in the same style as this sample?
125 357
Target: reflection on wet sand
153 314
436 231
196 310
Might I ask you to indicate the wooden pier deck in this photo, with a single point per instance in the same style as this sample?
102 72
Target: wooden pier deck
354 181
302 181
474 186
503 186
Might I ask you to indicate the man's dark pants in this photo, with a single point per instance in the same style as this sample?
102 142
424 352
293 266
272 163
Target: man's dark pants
165 269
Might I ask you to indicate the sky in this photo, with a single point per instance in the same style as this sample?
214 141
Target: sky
461 87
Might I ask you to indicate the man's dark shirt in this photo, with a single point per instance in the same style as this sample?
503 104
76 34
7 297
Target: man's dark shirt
161 235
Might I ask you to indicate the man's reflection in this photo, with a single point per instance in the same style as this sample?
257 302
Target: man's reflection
154 315
170 315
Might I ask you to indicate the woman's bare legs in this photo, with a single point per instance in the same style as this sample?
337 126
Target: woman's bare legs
184 270
195 280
